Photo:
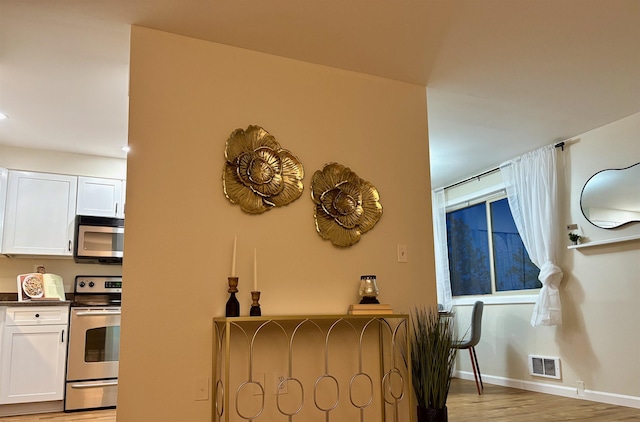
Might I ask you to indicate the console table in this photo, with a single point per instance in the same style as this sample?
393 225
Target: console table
312 367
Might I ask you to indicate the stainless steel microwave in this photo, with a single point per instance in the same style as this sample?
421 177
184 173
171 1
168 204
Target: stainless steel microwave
98 240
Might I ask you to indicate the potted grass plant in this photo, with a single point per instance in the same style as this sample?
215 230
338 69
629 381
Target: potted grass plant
432 361
575 238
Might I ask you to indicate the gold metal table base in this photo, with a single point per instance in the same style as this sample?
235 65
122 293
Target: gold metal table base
354 356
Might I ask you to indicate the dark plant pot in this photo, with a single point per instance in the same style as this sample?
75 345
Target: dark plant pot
432 415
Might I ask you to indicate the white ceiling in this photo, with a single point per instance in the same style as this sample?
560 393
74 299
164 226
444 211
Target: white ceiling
503 77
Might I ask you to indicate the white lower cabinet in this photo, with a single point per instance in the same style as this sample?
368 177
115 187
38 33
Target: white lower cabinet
33 354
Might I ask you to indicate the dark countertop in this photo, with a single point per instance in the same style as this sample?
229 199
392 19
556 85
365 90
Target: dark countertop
11 299
35 303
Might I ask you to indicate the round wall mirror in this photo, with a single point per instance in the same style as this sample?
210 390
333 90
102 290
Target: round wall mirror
611 197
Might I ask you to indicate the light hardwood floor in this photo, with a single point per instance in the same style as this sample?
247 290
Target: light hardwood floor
497 404
501 404
108 415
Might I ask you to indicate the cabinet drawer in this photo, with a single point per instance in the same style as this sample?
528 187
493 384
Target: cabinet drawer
31 315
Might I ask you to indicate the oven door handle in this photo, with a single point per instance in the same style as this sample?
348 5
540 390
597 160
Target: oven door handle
105 384
97 313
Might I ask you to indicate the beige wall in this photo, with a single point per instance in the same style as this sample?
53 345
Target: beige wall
599 340
186 97
62 163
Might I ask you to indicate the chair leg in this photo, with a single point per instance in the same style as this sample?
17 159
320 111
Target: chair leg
473 366
476 369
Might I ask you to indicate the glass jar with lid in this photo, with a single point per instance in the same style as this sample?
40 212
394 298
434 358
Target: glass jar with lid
368 289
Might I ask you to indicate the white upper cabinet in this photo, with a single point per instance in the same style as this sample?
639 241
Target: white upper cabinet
40 213
100 197
3 198
124 196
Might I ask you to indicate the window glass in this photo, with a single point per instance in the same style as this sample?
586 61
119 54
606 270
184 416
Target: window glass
468 246
480 264
513 268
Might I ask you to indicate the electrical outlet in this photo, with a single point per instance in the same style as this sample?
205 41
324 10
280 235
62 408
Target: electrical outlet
572 227
580 389
403 253
281 384
202 388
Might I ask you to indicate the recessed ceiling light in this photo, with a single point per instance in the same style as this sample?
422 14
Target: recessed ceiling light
3 116
126 148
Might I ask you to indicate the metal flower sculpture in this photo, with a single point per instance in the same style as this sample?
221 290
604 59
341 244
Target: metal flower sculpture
346 205
258 174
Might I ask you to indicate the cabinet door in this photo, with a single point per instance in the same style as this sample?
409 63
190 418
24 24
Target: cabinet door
99 197
40 213
124 197
33 363
3 198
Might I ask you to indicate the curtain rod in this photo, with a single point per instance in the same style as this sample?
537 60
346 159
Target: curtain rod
488 172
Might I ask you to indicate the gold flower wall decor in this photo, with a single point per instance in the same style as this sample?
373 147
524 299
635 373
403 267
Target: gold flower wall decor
258 174
346 205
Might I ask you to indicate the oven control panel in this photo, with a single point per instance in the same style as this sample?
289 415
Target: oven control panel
98 284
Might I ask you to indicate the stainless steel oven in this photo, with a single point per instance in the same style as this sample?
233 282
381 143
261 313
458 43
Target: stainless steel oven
94 343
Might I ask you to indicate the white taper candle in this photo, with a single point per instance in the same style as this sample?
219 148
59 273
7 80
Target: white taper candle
255 270
233 259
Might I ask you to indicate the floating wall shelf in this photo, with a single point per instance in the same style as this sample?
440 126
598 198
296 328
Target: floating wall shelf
604 242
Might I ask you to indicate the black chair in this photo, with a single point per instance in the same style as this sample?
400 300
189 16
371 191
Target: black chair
474 339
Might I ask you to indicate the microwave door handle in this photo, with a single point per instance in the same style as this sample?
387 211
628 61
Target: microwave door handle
100 229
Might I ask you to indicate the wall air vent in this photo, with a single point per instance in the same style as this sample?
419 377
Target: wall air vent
544 366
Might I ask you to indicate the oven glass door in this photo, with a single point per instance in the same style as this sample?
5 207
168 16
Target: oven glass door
94 343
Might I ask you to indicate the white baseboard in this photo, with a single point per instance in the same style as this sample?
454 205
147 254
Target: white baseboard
556 390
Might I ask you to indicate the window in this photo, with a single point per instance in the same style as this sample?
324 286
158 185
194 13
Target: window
482 264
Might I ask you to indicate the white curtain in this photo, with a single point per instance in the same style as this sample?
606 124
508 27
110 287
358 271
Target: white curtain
443 281
531 184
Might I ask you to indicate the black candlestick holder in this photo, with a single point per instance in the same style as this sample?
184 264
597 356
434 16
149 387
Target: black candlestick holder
233 306
255 306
